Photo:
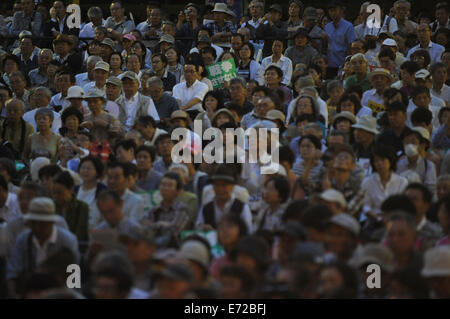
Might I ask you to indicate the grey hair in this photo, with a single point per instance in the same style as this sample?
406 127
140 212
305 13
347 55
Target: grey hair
44 111
46 91
333 85
155 80
93 59
402 1
42 51
180 166
16 100
148 72
95 12
316 127
311 89
239 80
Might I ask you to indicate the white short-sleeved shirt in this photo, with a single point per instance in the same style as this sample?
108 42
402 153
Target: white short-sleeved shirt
284 63
185 94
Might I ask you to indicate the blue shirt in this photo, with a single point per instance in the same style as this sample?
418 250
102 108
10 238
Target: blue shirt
435 50
338 41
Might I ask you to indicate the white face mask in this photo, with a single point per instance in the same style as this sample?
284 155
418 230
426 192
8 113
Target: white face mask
411 150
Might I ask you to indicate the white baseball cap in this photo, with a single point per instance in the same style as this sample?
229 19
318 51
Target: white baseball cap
390 42
334 196
75 92
422 74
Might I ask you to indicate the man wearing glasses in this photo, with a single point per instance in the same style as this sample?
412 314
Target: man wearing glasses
424 36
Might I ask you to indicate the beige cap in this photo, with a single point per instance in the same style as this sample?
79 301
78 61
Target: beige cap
101 65
179 114
274 115
380 71
130 75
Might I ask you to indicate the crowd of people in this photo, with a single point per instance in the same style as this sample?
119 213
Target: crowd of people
88 174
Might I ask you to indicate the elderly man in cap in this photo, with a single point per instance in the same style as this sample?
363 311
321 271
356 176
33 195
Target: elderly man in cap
113 90
118 24
35 245
340 35
381 80
301 51
103 126
342 236
17 225
424 36
133 104
107 47
271 27
82 79
221 30
101 74
223 180
437 271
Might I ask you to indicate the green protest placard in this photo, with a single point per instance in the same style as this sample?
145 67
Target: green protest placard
221 71
211 236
